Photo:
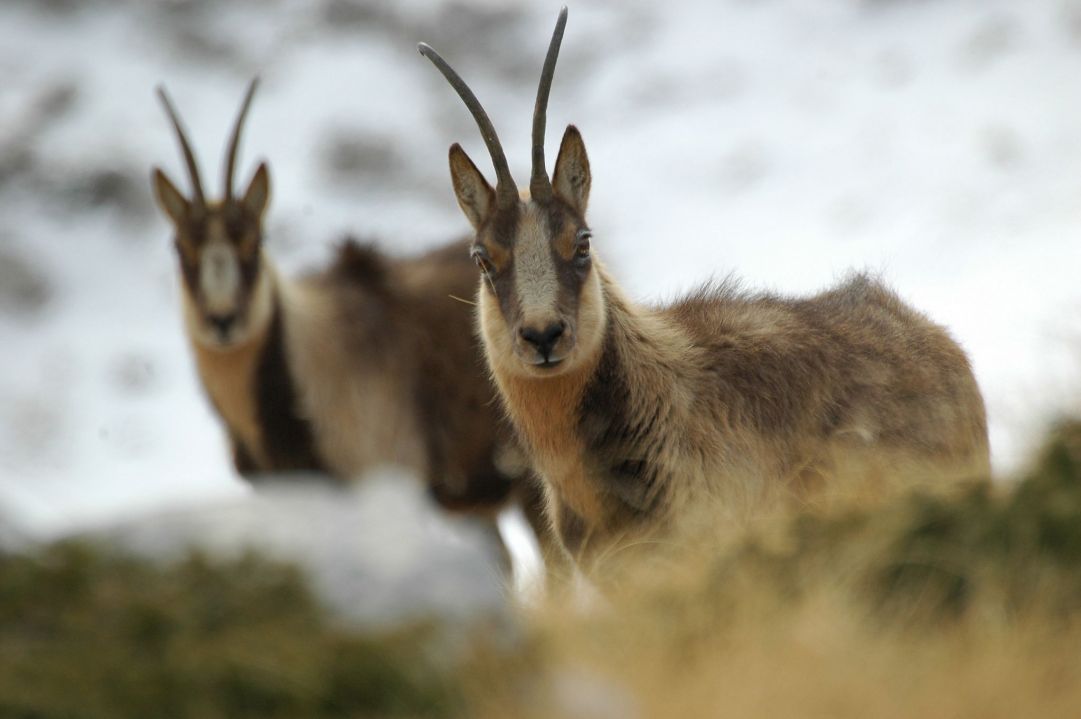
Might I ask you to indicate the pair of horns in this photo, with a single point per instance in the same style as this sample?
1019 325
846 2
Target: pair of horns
540 186
189 157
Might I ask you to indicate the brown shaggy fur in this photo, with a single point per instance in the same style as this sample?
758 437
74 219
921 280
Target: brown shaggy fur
371 362
384 366
649 422
714 406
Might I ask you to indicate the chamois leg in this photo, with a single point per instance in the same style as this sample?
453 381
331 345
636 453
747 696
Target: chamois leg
481 497
242 459
495 538
558 570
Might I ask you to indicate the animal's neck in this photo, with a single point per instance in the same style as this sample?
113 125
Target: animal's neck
641 346
635 369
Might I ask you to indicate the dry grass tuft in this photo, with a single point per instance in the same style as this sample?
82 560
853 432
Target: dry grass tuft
931 605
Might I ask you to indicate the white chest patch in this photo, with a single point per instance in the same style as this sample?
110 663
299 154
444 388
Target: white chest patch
219 278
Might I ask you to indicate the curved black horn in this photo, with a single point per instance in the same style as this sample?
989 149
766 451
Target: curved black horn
506 191
189 156
540 187
234 141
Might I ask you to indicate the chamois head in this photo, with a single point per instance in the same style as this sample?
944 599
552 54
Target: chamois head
218 242
541 305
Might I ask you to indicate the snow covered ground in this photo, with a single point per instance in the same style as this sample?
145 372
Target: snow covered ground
368 556
938 143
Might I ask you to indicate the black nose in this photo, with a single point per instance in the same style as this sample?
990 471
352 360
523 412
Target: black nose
544 340
222 323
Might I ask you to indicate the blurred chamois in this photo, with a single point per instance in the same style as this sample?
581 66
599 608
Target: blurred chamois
643 420
370 362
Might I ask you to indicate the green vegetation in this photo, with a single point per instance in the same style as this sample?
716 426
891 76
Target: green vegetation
87 633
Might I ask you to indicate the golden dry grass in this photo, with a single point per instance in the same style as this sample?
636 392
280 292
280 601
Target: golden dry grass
967 605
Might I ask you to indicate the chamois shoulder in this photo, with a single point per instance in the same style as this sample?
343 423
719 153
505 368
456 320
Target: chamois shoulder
453 253
438 275
359 262
351 299
722 310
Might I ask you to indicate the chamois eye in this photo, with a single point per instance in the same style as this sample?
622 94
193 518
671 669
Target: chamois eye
581 245
484 262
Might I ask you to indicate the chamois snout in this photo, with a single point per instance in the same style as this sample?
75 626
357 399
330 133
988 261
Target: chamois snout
222 323
544 341
544 344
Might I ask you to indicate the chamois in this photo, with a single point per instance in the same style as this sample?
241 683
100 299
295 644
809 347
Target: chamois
367 363
645 420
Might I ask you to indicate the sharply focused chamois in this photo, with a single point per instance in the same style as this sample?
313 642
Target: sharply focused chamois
640 419
370 362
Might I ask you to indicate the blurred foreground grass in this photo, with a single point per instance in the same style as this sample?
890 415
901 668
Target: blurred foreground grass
87 633
968 605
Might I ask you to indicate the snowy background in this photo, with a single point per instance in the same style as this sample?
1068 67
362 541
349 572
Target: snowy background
784 141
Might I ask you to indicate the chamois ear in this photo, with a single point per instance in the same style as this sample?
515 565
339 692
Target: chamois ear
170 199
475 195
257 196
572 179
